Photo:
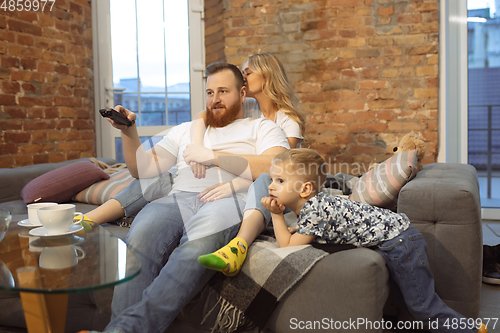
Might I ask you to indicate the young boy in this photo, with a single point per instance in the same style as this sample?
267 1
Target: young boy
297 177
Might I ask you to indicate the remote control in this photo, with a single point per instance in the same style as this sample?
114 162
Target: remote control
116 116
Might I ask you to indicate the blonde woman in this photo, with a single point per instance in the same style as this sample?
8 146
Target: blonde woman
267 82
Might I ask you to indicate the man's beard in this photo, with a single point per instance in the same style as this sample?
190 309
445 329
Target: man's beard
222 119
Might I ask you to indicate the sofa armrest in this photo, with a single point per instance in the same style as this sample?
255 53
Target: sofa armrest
443 203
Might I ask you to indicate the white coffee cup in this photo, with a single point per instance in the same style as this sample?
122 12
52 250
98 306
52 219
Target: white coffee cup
58 257
33 214
58 219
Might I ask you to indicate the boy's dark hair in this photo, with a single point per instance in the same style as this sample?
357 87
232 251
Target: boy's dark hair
219 66
307 163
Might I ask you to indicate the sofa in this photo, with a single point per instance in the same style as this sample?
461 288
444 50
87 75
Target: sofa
442 201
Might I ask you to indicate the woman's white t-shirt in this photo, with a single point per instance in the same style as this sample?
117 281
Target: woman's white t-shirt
288 126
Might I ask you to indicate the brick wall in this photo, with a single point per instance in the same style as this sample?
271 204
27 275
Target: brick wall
46 84
366 70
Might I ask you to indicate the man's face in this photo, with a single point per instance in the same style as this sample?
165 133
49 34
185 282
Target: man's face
224 99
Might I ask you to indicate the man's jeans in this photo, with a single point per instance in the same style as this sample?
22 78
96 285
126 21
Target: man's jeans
412 283
168 278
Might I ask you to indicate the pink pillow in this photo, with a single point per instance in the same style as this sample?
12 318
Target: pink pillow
61 184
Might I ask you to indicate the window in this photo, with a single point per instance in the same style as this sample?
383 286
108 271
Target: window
470 37
150 61
484 101
146 53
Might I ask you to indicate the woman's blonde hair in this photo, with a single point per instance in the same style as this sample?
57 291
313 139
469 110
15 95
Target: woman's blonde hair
277 86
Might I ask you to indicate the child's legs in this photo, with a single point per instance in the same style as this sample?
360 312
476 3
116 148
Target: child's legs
108 211
251 226
142 191
133 198
255 216
406 260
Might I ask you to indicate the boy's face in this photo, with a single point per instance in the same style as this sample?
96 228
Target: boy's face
286 184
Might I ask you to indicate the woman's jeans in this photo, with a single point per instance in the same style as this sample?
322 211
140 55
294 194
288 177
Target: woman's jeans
257 191
168 278
142 191
412 283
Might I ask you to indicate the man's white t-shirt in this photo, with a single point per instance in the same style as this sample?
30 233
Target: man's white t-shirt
245 136
291 128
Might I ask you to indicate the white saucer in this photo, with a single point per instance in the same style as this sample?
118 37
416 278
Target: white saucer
27 224
42 232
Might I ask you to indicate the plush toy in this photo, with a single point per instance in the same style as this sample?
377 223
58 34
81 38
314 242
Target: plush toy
410 141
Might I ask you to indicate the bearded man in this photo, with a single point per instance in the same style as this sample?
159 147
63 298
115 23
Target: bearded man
180 221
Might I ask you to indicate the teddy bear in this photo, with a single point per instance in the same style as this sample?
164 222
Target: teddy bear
410 141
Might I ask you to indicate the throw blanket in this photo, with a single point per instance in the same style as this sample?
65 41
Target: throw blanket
268 273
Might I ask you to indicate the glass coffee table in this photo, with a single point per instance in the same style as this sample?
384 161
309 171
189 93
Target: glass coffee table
46 269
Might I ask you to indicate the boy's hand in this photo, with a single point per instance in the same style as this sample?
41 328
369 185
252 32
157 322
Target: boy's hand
272 205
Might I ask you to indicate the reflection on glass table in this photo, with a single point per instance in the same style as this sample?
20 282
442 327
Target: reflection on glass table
46 269
5 218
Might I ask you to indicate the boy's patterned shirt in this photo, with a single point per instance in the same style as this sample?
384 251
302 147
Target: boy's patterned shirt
343 221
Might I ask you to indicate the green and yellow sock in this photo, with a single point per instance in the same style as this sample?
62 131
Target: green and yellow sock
227 259
87 225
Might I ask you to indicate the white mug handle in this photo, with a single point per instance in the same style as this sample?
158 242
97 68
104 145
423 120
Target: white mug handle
79 249
80 220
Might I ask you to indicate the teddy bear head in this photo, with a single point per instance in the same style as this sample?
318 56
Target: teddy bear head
412 141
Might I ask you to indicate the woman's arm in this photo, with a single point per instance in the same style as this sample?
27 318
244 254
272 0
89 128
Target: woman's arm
199 127
293 142
197 132
236 164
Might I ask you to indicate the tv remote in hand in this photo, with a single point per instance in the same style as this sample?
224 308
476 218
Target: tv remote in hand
116 116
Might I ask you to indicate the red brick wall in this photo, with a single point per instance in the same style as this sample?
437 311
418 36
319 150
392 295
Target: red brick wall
46 84
366 70
214 31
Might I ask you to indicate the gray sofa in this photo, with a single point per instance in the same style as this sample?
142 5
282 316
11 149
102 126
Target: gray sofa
442 202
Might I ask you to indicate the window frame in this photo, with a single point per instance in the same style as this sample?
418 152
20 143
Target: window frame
453 77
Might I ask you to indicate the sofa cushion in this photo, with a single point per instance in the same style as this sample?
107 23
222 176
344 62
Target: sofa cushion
100 192
16 178
61 184
381 185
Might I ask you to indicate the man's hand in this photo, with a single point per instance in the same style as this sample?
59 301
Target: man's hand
272 205
129 114
216 192
199 154
199 170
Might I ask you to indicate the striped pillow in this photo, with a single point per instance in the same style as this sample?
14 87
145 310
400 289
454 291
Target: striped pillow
102 191
380 186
